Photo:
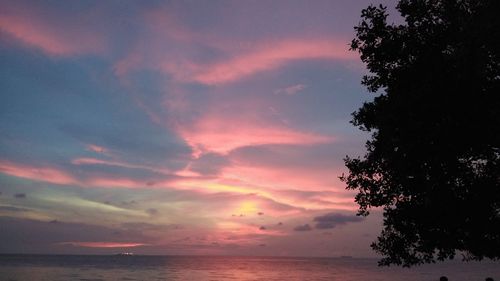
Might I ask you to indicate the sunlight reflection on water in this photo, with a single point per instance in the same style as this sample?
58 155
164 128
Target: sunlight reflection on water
85 268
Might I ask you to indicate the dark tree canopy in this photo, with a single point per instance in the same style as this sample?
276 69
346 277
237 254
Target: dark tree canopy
433 160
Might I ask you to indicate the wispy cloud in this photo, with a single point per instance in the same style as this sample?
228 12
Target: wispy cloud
238 63
268 56
95 161
104 244
97 149
91 178
221 134
45 174
52 38
291 90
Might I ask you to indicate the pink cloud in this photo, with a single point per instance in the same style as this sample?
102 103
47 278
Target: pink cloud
169 44
130 62
93 161
166 23
103 244
270 56
46 174
278 170
222 134
58 176
238 64
51 37
121 182
249 122
293 175
320 200
244 233
231 123
261 190
272 182
176 50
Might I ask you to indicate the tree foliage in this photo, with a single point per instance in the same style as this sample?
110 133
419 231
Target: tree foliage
433 160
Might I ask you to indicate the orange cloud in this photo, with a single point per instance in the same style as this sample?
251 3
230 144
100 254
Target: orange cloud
103 244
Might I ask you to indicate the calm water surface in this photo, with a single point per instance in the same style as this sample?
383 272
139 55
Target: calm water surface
82 268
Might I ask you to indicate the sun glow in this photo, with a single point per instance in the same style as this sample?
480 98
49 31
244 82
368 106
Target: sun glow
247 207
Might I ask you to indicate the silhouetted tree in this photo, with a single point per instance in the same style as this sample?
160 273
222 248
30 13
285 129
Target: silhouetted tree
433 161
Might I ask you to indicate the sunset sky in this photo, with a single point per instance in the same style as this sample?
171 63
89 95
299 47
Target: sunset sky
180 127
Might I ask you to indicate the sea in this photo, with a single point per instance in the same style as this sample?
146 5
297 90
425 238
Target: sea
193 268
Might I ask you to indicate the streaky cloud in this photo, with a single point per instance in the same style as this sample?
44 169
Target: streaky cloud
32 28
104 244
271 55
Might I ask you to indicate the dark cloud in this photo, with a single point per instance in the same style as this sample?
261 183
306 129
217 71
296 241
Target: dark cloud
262 228
305 227
152 211
331 220
20 195
260 213
17 236
309 195
142 226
